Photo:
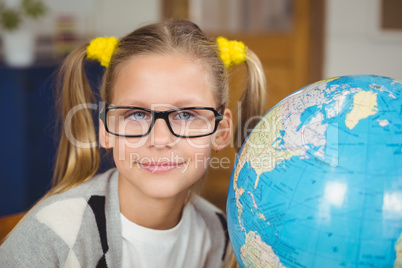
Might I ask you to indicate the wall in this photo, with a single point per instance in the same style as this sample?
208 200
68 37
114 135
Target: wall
354 43
123 16
100 17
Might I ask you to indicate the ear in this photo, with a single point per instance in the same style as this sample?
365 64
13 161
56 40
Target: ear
104 136
224 131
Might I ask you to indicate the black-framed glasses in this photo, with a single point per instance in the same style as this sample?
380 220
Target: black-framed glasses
188 122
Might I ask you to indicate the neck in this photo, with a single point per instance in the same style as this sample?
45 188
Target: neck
153 213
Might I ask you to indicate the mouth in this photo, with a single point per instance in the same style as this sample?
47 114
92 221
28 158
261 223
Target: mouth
160 167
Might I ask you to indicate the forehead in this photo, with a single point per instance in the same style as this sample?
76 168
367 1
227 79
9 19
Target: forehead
174 80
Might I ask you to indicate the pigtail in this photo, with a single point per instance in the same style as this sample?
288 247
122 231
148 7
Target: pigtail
78 155
252 100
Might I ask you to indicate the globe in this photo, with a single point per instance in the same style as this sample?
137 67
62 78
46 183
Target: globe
318 182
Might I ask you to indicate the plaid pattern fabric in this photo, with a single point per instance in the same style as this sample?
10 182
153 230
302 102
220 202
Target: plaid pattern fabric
77 228
65 218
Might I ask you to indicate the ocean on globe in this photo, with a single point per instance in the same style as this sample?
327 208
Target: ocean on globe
318 182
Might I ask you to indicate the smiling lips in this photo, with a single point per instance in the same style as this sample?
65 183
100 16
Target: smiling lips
160 167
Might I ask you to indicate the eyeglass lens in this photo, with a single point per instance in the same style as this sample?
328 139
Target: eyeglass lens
138 122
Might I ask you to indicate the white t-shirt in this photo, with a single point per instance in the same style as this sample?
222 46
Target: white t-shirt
185 245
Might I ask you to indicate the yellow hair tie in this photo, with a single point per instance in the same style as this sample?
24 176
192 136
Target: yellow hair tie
232 52
101 49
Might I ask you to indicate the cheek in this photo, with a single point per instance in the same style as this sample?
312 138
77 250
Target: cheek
199 150
200 162
201 143
127 148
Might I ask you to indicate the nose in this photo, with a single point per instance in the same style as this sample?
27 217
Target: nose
160 135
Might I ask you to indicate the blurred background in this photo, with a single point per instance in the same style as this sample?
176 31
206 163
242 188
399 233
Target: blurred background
298 42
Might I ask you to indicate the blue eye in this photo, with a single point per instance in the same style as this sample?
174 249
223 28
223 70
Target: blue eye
138 115
184 115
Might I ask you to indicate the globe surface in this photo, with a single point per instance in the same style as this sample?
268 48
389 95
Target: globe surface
318 182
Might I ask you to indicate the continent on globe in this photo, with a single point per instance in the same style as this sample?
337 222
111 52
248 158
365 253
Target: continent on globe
364 105
318 182
259 154
398 248
256 253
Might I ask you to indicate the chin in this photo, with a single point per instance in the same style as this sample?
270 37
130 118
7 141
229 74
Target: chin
160 192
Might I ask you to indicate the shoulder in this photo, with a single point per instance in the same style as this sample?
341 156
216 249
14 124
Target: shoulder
68 210
209 212
73 202
98 186
216 223
60 222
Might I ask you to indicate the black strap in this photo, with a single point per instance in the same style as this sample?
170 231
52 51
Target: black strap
225 229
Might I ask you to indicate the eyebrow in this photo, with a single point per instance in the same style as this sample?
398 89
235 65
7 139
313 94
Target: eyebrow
131 102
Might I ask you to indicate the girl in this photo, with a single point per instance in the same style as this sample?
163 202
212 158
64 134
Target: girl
165 91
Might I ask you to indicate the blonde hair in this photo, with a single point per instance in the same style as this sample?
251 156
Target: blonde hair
75 165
